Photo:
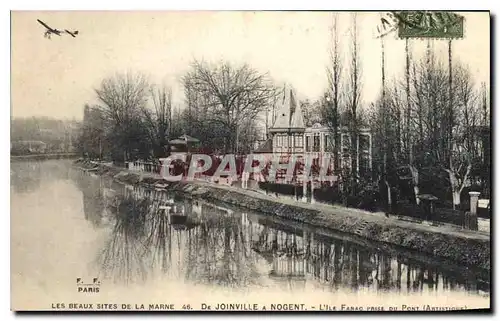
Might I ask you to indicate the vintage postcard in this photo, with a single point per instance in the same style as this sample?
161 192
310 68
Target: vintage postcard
250 161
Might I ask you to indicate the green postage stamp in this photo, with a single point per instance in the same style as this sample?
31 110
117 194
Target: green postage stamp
430 24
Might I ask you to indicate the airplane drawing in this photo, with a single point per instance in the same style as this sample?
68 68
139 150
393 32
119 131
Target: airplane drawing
51 31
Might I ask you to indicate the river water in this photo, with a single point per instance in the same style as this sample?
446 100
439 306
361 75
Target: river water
73 234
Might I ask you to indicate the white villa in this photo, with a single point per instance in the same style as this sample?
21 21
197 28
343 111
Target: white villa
289 135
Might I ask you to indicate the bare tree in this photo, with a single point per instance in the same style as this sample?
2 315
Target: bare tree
485 171
312 111
408 111
385 126
466 99
485 94
232 95
439 148
462 143
122 97
435 150
353 93
158 119
408 135
330 113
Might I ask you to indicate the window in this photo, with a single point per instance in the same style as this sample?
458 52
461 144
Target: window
308 143
364 142
316 143
328 143
298 141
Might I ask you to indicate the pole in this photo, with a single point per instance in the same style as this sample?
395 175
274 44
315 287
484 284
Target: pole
385 130
384 111
357 154
304 181
409 146
267 123
450 102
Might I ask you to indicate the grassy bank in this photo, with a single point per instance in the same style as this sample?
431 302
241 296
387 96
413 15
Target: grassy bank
469 248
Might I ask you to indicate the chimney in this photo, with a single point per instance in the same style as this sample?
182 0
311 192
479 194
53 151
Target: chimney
474 196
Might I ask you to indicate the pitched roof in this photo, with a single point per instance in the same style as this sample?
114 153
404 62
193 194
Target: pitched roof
189 139
266 147
289 114
184 139
297 120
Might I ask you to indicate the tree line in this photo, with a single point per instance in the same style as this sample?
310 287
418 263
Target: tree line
135 118
435 129
57 135
430 125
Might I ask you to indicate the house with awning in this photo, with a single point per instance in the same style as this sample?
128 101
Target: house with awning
183 144
291 136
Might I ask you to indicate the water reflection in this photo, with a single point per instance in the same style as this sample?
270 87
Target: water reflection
93 200
27 176
122 256
333 263
156 234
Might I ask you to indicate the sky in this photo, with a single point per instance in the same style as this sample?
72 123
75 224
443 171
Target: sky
57 77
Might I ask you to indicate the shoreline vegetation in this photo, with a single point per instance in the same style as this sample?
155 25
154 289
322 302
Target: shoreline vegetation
447 242
44 156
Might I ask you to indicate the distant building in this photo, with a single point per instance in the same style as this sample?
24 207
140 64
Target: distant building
290 136
28 147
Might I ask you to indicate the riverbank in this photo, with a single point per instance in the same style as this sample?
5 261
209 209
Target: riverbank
44 156
466 247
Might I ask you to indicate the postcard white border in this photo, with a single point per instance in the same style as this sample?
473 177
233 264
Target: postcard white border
180 5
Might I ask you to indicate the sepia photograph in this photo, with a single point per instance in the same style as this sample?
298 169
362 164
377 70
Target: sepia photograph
261 161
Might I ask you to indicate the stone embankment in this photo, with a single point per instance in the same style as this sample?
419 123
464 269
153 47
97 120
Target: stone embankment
449 242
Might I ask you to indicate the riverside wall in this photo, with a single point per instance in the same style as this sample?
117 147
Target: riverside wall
463 247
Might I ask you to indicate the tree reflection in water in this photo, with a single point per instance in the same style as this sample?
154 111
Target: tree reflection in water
223 247
25 176
340 264
93 199
122 257
219 250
